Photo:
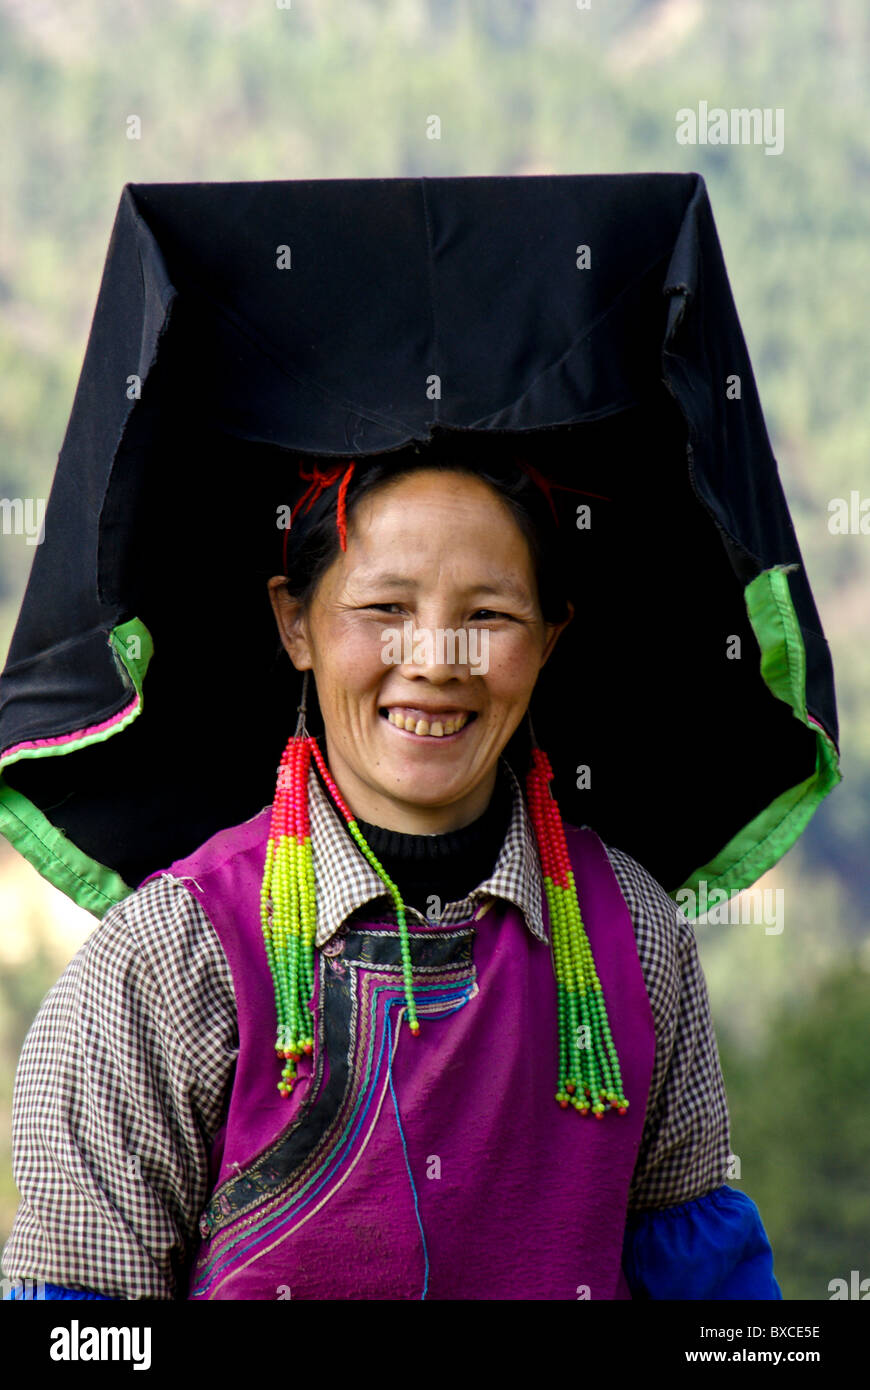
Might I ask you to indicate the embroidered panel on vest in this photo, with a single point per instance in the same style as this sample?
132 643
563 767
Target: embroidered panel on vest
358 1028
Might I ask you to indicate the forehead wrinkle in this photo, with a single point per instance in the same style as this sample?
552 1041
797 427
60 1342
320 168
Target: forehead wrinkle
492 585
382 577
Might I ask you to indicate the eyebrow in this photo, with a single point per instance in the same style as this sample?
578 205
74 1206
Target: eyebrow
388 580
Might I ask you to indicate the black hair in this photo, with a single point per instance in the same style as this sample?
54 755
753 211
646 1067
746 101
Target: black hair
308 562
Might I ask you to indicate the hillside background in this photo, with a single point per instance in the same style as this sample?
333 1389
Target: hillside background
240 90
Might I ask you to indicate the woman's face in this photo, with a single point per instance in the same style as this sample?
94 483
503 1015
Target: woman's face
429 555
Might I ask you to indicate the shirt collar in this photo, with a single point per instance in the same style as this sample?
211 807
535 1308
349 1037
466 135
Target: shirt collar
346 881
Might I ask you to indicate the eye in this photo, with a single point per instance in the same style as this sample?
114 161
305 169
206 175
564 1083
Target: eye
487 614
382 607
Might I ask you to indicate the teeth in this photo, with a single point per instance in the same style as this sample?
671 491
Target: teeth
437 729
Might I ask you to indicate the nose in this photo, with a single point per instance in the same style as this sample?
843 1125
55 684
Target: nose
436 654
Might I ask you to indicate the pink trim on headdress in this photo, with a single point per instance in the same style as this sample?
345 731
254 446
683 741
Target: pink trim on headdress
89 731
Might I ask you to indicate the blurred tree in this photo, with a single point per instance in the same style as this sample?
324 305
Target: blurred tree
800 1123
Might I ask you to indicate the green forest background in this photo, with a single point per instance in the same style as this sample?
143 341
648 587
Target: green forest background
242 90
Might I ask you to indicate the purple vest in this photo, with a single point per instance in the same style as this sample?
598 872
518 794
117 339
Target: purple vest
437 1166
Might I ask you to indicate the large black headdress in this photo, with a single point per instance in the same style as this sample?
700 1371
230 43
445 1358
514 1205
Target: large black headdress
248 334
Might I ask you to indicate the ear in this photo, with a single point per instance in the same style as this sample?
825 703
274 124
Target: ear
292 623
554 631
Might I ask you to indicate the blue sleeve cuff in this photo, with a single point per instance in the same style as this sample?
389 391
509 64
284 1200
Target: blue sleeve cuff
31 1290
712 1248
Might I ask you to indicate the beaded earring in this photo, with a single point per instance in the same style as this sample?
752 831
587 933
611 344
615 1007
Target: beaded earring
589 1072
287 898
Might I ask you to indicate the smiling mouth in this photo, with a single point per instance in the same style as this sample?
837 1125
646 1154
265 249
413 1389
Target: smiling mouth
416 722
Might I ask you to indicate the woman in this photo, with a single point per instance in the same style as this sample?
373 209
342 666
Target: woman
391 927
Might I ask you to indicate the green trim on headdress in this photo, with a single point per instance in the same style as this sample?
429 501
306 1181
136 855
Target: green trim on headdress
769 835
90 884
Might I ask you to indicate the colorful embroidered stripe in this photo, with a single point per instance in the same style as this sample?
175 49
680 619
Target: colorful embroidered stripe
333 1158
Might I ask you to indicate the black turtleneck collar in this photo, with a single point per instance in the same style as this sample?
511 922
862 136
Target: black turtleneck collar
446 866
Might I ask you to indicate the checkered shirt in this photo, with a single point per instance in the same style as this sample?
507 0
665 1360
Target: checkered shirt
125 1074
